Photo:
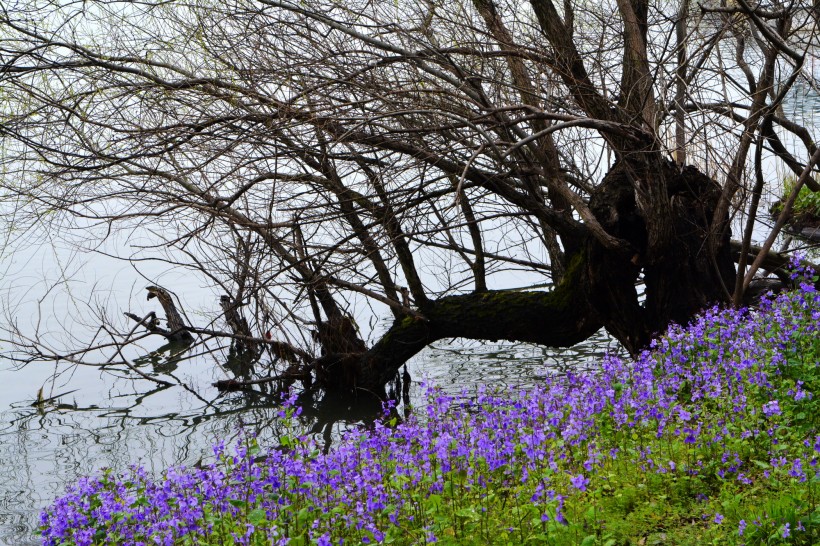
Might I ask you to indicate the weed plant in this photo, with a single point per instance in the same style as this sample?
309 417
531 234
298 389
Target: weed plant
709 437
806 208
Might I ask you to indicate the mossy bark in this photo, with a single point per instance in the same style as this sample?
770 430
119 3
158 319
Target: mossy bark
558 318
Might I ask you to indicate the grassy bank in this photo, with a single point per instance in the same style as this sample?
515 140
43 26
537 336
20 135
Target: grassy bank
709 438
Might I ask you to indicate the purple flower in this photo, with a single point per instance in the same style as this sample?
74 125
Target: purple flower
771 409
579 482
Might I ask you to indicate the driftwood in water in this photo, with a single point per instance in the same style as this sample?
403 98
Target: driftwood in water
249 346
803 224
177 330
176 326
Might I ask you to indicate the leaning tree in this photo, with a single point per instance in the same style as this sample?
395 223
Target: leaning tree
319 159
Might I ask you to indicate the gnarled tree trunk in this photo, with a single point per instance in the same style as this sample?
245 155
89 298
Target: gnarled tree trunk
598 289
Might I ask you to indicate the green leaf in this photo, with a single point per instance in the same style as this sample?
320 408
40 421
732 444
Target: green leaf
254 448
433 502
302 517
142 500
589 540
468 513
257 517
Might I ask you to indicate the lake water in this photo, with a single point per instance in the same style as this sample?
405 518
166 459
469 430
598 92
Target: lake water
97 420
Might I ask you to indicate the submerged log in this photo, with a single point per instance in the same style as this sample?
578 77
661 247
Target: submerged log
176 332
177 329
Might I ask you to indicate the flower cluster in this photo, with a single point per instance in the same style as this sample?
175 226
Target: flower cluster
720 415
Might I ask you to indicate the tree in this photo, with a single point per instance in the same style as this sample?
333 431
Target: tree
314 157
